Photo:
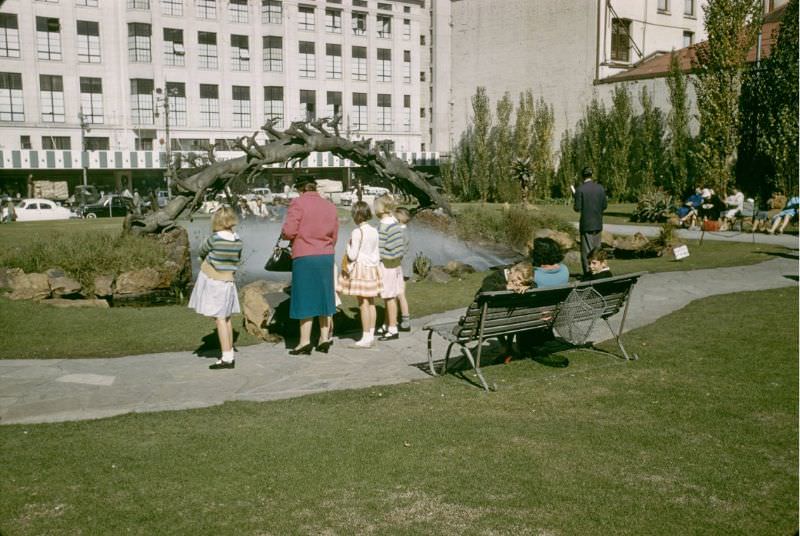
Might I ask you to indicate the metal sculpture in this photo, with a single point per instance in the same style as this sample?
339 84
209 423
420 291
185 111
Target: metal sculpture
291 146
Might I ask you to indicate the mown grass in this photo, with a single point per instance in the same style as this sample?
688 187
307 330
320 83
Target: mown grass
562 210
697 437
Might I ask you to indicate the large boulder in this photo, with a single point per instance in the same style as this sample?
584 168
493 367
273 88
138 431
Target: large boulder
635 246
7 275
458 268
137 283
606 239
29 287
256 310
564 240
62 285
438 275
63 303
177 270
103 285
573 258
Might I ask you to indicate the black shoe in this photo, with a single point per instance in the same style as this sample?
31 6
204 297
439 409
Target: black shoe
404 327
389 337
220 364
325 346
303 350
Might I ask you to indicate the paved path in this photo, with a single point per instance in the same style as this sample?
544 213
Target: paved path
789 241
52 390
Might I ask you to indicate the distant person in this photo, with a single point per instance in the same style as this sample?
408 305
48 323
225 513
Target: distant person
215 293
781 220
590 200
403 216
312 226
598 265
687 214
712 206
391 247
548 270
137 202
734 204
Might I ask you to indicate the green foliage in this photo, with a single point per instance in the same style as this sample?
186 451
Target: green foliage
677 179
503 184
732 26
648 167
618 141
84 255
513 226
422 265
541 152
482 122
653 206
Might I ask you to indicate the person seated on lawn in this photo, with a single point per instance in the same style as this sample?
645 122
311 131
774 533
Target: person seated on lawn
688 212
598 265
782 218
548 270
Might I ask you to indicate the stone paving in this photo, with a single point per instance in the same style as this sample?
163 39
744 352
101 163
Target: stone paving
33 391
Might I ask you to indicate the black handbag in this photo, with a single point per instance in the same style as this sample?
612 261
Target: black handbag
281 258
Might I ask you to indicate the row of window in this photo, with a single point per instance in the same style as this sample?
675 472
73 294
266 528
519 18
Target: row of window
144 103
688 7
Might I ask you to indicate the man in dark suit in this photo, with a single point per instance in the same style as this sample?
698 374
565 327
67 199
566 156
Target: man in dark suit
590 201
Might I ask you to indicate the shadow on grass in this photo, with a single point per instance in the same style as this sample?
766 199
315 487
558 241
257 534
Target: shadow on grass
781 254
346 324
209 345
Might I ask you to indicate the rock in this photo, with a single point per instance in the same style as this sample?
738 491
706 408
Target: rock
634 246
438 275
458 268
137 282
573 258
256 310
178 267
606 239
29 287
103 285
61 285
64 303
564 240
7 275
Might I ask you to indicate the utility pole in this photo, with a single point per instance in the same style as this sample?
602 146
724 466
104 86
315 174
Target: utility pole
163 99
84 129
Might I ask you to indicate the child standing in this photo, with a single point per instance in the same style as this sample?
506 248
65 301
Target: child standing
215 293
362 279
403 216
391 245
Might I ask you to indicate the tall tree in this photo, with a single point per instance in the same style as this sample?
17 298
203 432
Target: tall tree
567 172
647 162
541 148
503 184
732 26
618 143
481 125
679 136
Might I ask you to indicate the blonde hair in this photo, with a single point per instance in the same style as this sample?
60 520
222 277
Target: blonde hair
402 214
223 219
520 277
384 205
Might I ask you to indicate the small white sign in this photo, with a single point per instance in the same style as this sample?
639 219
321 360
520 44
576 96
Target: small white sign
680 252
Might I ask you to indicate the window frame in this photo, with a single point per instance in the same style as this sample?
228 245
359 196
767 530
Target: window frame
333 62
616 35
383 66
242 114
272 61
51 100
383 31
384 113
271 12
307 61
209 105
309 113
359 112
142 101
207 53
240 62
333 20
172 8
358 64
270 107
205 9
91 96
88 44
240 14
48 43
140 42
9 36
306 18
12 100
176 97
174 56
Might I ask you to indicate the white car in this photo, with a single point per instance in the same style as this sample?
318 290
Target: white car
368 193
264 193
39 209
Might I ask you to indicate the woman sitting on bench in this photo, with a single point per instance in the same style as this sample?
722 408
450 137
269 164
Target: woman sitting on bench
548 270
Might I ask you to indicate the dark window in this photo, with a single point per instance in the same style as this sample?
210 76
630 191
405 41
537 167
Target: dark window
308 102
9 36
59 143
96 144
620 42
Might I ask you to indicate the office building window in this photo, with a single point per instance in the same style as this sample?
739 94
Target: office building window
422 76
688 39
359 23
176 93
174 52
48 38
407 112
138 4
142 101
333 21
360 3
87 3
359 63
238 11
305 18
688 8
384 112
88 41
24 141
96 143
209 105
240 53
271 11
620 42
358 115
384 25
92 100
56 143
273 53
172 7
384 73
241 107
663 5
407 66
308 68
51 95
333 61
138 42
334 103
11 102
308 104
9 36
273 104
406 29
207 50
206 9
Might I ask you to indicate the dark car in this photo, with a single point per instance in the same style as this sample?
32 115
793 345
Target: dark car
108 206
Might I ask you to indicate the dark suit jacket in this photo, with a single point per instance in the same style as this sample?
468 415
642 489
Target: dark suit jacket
590 201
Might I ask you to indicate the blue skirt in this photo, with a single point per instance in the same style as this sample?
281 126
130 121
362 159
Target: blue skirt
312 287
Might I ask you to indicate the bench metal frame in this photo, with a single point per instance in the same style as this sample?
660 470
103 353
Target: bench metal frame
494 314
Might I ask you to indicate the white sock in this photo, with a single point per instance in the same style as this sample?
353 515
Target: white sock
370 333
227 356
391 330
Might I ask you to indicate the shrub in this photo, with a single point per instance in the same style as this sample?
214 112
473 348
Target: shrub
513 227
653 206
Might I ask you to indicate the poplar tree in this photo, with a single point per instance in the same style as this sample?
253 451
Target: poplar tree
541 155
503 187
616 164
679 138
647 162
481 157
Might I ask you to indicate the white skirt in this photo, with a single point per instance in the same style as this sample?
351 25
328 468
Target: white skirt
210 297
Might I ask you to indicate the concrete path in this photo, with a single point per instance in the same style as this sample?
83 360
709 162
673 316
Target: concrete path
33 391
789 241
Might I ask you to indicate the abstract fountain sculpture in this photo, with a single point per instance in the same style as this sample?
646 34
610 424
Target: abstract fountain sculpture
290 146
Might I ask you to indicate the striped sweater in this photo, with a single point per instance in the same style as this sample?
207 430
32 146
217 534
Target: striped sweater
223 251
392 242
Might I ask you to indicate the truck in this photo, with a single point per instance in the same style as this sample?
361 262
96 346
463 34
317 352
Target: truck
53 190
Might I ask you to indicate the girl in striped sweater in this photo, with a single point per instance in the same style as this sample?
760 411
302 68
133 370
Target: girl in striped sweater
215 294
392 246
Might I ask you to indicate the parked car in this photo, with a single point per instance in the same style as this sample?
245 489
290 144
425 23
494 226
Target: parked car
35 209
109 206
347 198
264 193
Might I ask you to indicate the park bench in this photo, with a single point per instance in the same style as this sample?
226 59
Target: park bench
572 310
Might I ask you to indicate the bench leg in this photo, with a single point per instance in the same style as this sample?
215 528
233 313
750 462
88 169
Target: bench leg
431 366
618 334
476 365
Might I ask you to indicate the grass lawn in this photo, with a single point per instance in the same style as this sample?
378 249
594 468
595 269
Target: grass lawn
615 213
697 437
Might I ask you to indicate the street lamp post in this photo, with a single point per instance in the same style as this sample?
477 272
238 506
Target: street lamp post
162 99
84 129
